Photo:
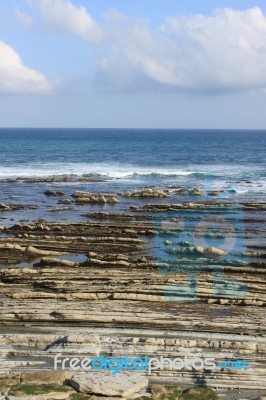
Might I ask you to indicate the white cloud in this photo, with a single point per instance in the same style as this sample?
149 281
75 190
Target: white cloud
15 77
25 20
222 52
64 16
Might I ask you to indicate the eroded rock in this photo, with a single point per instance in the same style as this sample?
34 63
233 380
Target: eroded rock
105 383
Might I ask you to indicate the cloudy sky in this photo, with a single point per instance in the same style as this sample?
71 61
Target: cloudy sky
133 63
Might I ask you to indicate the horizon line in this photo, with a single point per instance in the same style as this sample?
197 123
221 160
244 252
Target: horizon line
140 129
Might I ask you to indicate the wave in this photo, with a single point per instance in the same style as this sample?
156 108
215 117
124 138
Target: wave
93 169
128 171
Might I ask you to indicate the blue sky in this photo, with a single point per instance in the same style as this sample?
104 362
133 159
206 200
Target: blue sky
141 63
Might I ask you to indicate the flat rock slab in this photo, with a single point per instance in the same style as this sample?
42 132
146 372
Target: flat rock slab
48 396
105 383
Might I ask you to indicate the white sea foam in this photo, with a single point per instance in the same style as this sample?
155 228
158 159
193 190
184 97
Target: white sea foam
116 170
82 169
214 177
243 180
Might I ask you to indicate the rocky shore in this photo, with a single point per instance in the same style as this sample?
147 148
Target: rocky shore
135 276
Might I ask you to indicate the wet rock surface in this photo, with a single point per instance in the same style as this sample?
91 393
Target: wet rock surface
54 193
15 207
149 192
58 179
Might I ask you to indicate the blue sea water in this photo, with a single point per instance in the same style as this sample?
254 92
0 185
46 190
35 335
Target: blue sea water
138 157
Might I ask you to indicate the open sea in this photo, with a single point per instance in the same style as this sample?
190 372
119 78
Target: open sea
139 157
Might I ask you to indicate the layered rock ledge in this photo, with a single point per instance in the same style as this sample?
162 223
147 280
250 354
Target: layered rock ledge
120 283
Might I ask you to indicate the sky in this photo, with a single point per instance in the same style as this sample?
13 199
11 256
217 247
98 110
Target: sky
133 64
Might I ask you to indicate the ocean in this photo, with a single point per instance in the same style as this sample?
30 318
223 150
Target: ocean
138 157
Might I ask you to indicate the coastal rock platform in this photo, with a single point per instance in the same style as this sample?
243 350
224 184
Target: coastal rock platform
119 283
